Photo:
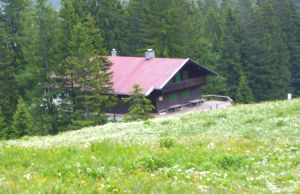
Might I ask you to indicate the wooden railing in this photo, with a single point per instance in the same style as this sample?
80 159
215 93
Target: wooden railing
218 97
184 84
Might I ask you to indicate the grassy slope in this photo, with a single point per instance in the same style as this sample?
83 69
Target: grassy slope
253 148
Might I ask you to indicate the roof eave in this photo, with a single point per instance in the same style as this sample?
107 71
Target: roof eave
207 69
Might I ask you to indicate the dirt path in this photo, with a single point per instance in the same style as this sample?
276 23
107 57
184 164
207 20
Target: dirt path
206 106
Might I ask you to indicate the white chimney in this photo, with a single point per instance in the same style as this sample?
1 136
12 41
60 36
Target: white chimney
149 54
114 53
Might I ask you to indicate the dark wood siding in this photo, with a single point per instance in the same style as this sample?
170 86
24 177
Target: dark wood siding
121 107
164 100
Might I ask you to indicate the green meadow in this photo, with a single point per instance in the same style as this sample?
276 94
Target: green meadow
243 149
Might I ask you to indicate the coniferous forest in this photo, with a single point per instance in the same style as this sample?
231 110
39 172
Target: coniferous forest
254 45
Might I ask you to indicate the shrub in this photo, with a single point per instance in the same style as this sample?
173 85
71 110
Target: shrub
22 121
154 163
140 106
166 143
228 161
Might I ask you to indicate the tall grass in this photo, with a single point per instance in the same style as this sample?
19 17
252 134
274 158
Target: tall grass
245 149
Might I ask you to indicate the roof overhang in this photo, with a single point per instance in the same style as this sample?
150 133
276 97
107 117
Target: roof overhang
209 71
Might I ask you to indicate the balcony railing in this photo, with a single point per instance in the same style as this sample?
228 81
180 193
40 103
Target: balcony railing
184 84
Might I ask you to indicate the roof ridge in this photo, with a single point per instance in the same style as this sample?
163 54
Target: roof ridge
144 57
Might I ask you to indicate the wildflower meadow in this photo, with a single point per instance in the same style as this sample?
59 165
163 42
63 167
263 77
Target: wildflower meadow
244 149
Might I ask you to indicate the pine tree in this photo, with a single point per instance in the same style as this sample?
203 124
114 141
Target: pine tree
22 122
10 55
8 85
159 25
3 127
109 17
140 106
88 73
42 52
230 54
270 76
213 24
15 11
71 13
244 93
216 85
295 69
198 47
286 11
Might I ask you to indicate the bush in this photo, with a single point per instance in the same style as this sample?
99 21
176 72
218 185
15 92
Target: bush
229 161
22 121
140 106
166 143
154 163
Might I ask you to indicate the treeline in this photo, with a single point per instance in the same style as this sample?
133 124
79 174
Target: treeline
46 53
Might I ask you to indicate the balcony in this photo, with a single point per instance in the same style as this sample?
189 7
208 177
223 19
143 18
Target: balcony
171 87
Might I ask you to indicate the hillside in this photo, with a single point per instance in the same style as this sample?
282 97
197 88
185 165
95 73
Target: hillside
249 148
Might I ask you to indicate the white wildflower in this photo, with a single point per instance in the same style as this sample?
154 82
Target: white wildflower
2 178
93 158
27 176
211 146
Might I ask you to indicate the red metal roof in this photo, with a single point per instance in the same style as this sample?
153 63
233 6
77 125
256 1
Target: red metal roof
149 74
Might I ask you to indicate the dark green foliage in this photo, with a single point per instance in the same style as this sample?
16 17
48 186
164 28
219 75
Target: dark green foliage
167 143
140 106
109 18
244 93
22 122
230 65
216 85
8 86
160 25
41 51
87 70
269 67
14 13
3 127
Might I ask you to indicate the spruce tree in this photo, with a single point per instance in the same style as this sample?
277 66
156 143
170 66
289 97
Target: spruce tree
289 22
3 127
14 13
109 17
140 106
198 47
295 69
230 54
42 53
160 25
71 13
213 24
88 72
22 122
244 93
270 76
8 85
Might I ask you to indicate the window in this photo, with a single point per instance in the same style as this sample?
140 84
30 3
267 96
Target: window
177 77
185 75
186 93
173 97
